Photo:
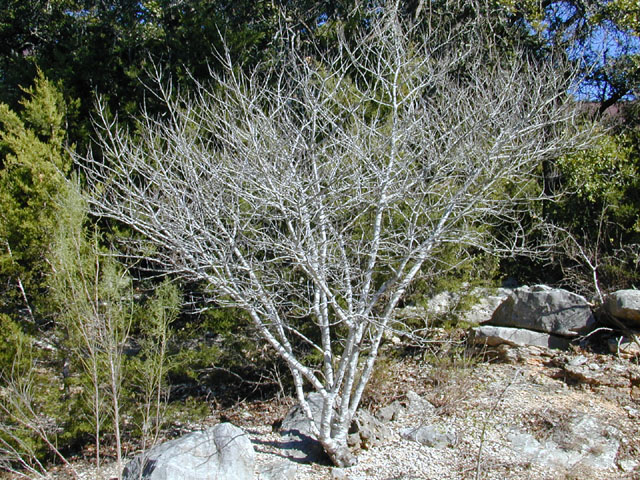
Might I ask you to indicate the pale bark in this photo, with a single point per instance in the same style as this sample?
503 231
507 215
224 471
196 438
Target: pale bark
315 191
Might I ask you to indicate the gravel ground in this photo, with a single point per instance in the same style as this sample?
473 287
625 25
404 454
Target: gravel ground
482 404
496 400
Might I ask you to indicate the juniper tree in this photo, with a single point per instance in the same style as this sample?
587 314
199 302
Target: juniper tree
33 165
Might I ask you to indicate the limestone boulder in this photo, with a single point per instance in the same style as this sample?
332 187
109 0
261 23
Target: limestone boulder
487 303
222 452
625 306
545 309
418 405
493 336
391 412
623 375
484 301
299 443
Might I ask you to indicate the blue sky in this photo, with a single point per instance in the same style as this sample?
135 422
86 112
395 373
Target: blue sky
606 46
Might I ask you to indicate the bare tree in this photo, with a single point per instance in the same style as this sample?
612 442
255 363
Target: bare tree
311 193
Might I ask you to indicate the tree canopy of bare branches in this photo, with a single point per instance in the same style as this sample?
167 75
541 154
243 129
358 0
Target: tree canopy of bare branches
311 192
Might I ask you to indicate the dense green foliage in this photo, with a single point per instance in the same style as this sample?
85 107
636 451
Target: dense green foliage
601 214
596 220
33 166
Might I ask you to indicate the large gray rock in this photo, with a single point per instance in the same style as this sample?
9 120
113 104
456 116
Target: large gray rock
545 309
222 452
493 336
481 310
419 405
390 412
625 306
299 443
612 374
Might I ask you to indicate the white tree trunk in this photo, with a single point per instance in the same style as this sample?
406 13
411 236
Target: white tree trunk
314 191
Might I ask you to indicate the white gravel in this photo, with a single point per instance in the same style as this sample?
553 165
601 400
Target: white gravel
490 402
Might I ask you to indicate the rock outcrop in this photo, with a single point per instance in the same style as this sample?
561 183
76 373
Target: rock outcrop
430 436
222 452
625 306
488 302
582 441
539 316
544 309
366 431
493 336
278 470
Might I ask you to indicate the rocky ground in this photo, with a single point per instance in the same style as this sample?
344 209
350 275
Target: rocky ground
533 418
526 412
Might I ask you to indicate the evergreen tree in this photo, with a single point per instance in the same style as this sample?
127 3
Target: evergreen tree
33 166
